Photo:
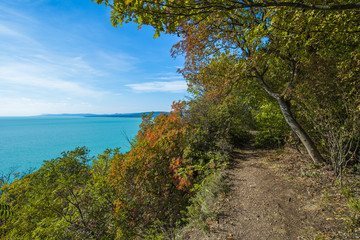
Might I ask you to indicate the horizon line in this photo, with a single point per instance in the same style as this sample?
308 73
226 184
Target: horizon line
83 114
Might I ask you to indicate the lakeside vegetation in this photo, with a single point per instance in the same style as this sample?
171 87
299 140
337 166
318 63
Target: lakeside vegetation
290 73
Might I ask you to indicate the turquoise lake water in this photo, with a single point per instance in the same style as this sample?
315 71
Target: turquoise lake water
26 141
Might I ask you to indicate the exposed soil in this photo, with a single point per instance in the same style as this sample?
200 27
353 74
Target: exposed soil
274 196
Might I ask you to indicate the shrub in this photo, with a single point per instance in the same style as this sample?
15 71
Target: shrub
65 199
271 125
328 96
150 184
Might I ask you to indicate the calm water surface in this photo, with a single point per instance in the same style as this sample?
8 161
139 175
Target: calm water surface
26 141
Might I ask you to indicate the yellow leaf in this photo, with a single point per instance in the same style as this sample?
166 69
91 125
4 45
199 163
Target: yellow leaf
157 33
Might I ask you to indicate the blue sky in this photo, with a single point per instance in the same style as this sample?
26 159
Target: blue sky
63 56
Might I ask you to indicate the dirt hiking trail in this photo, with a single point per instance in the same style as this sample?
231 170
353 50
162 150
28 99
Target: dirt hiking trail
262 204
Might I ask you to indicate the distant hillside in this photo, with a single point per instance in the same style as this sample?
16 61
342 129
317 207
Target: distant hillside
128 115
132 115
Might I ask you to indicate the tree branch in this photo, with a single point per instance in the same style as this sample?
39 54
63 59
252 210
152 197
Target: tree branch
260 78
342 7
207 6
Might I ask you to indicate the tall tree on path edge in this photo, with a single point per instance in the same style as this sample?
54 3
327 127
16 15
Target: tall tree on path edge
269 47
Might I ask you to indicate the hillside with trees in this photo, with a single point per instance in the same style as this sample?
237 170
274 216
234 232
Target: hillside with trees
280 74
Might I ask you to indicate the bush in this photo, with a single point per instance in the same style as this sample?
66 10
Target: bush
65 199
271 125
219 125
152 188
328 97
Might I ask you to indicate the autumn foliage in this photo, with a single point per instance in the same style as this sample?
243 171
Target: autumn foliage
149 180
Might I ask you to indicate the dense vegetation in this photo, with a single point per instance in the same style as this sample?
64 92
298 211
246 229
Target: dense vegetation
288 70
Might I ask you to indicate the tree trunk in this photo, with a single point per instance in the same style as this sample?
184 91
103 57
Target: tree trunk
291 121
299 131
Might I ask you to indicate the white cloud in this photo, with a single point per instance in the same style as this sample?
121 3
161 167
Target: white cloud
5 31
172 76
121 62
43 77
25 106
10 13
169 78
173 86
12 34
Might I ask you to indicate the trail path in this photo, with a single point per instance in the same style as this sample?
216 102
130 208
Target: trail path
262 204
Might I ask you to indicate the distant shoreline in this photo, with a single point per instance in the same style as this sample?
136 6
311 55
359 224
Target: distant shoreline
120 115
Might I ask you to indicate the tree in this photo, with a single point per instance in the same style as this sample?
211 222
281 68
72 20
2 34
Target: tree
254 58
267 46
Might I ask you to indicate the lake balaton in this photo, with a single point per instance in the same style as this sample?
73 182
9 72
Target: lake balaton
26 141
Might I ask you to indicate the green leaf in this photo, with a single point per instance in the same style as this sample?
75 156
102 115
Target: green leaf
5 211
